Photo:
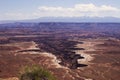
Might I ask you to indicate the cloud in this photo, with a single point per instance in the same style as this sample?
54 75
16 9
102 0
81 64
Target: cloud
78 10
88 10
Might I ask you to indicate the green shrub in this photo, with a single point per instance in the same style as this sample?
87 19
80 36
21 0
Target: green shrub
35 73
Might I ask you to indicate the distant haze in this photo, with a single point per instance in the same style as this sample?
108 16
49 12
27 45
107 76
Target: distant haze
74 19
68 19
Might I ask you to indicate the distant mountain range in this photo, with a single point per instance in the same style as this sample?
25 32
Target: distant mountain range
68 19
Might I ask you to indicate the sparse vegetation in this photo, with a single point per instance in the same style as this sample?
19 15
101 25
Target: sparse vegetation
35 72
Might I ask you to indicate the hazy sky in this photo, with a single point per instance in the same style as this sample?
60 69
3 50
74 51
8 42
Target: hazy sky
29 9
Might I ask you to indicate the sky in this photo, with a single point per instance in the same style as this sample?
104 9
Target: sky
31 9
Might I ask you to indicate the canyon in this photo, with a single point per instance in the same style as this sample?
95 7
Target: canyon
71 51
